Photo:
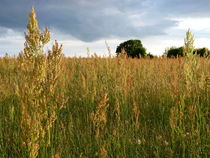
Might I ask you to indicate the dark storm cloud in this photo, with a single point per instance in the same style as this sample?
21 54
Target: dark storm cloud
90 20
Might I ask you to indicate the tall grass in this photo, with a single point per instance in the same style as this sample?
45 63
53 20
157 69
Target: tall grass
116 107
151 112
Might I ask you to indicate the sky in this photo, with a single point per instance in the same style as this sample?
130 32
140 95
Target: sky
82 24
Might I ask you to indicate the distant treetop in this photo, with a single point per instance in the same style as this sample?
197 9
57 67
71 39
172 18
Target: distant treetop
133 48
174 52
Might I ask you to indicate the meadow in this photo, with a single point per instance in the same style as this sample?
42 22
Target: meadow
53 106
142 107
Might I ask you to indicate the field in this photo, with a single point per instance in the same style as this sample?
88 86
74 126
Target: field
117 107
52 106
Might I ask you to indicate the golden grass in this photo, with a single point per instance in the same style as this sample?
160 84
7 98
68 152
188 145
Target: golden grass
52 106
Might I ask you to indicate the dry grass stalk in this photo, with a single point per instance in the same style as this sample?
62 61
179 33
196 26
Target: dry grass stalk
136 113
103 152
116 117
208 82
99 117
123 54
117 111
37 86
57 155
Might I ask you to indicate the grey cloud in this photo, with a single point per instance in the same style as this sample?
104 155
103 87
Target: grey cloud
90 20
3 31
184 8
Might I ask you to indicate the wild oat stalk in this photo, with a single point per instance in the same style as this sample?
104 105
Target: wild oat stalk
136 113
190 64
37 86
99 117
186 119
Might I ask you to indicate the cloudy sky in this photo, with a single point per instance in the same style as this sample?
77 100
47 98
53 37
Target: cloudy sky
82 24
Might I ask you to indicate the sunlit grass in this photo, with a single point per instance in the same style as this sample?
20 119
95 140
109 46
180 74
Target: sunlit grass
142 95
120 107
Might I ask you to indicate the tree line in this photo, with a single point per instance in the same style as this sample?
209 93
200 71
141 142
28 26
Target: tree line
135 49
174 52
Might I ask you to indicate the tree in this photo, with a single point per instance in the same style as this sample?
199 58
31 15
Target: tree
174 52
133 48
203 52
151 56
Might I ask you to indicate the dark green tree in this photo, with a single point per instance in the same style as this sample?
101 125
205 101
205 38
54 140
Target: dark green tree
202 52
151 56
133 48
174 52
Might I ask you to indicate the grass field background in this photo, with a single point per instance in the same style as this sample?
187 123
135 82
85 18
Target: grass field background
118 107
